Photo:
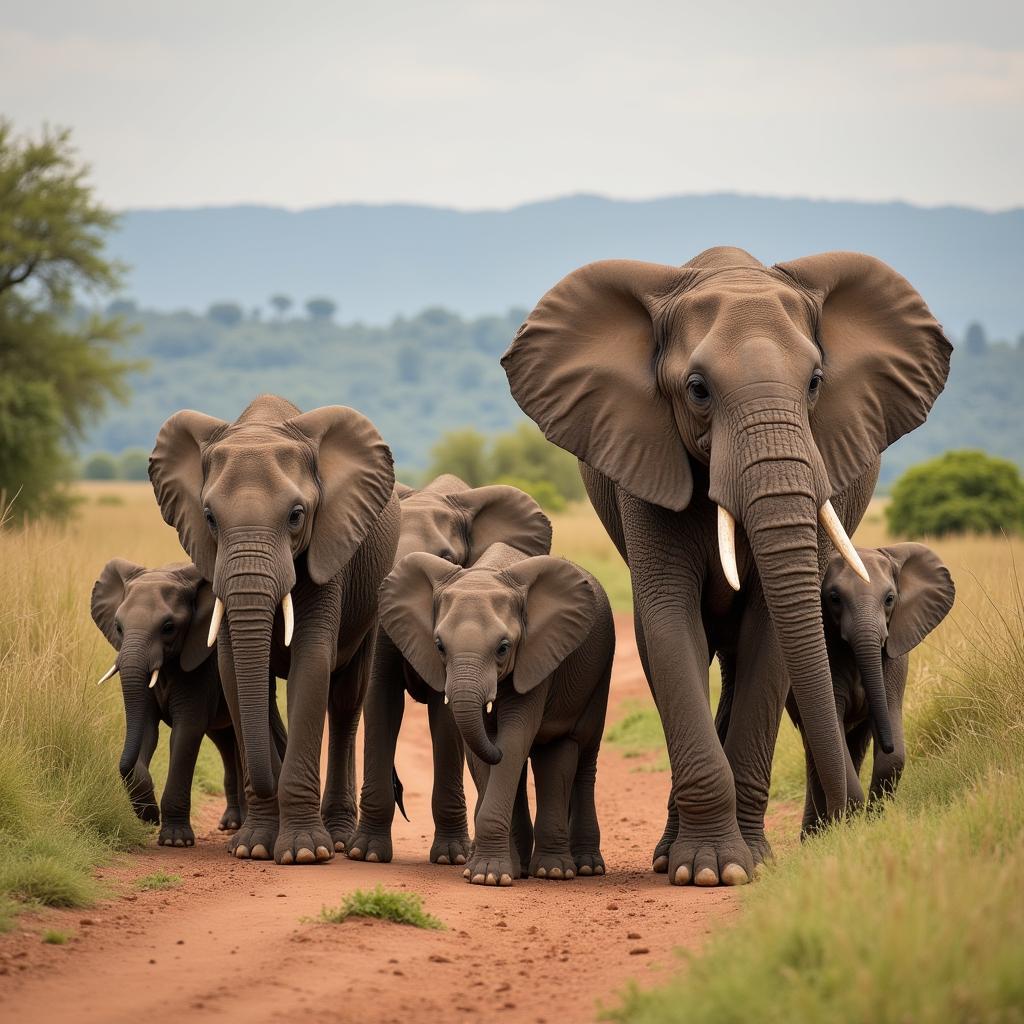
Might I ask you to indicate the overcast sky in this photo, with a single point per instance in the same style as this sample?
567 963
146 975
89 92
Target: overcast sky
489 104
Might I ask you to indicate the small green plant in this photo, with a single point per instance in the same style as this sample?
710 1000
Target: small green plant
400 907
158 880
55 938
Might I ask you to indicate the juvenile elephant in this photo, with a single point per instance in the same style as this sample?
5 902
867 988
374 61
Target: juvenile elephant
456 522
870 629
700 396
522 649
291 516
157 620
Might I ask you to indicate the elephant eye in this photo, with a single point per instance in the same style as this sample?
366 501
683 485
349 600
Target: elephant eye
815 385
503 648
211 519
296 516
834 597
697 389
167 628
119 628
438 645
890 599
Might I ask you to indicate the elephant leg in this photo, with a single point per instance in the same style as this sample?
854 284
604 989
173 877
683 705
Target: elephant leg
348 687
584 828
554 768
759 687
886 769
234 796
176 803
448 801
259 829
814 799
382 722
521 839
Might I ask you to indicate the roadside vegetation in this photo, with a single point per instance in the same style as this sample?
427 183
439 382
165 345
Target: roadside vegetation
158 881
384 905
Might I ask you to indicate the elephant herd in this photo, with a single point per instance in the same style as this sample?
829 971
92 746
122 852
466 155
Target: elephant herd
728 418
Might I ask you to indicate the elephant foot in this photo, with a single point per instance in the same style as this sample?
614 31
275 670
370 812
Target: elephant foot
148 812
255 840
374 847
176 834
342 827
485 870
449 849
230 820
760 848
710 860
588 863
559 867
303 845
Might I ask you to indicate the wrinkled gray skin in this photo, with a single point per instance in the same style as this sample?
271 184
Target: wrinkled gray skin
761 391
282 502
870 629
534 636
456 522
157 619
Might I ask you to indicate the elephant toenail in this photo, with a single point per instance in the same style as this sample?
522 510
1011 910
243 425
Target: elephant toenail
355 853
465 874
459 859
287 858
478 879
372 858
682 875
492 879
505 880
542 872
733 874
660 866
322 853
259 852
585 870
569 873
599 870
555 873
305 856
706 876
241 852
339 847
443 859
179 842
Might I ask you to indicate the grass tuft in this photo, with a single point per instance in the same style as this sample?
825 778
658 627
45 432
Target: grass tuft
56 938
385 905
158 880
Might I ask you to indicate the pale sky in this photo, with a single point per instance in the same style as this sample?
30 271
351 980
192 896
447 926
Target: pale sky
490 104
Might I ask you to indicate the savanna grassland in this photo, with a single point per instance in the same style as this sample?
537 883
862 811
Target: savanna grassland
914 914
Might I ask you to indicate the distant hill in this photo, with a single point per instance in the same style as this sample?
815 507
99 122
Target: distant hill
380 261
419 377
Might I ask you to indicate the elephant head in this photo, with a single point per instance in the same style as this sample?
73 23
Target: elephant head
460 524
910 593
466 630
250 499
150 617
778 386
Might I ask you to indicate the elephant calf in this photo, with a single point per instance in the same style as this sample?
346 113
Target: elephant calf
870 629
454 521
522 648
158 620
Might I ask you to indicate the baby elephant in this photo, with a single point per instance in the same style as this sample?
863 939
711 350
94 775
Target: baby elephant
870 628
158 621
522 649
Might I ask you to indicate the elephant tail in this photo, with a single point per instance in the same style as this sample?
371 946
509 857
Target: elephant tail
396 785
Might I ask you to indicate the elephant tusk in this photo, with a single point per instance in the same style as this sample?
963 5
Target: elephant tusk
112 671
446 698
153 677
727 547
215 621
289 618
834 528
490 706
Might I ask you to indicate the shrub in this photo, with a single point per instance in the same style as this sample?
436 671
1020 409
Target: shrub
959 492
133 464
101 466
542 491
400 907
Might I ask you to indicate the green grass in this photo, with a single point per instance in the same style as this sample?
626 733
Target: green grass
158 880
385 905
55 938
917 913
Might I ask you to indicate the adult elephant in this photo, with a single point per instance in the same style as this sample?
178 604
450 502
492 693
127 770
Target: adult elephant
291 517
700 396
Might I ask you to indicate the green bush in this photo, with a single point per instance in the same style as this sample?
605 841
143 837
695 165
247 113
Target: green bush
133 464
959 492
385 905
542 491
101 466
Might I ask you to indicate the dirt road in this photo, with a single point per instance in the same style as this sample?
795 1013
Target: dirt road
230 942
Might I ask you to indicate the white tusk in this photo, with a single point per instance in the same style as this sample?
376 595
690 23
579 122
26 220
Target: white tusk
112 671
834 528
446 698
490 706
289 619
727 547
215 621
152 678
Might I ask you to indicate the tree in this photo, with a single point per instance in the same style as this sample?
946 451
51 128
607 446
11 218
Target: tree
527 454
133 464
227 314
281 304
321 310
959 492
57 365
462 452
101 466
410 364
975 340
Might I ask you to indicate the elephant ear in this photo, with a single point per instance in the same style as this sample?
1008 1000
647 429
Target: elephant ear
403 490
886 358
176 471
584 368
357 478
924 596
108 594
506 515
194 650
559 613
407 611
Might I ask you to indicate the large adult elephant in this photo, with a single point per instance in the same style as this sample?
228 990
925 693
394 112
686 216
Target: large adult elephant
292 518
700 396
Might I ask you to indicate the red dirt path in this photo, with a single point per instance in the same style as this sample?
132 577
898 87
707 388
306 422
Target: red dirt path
229 941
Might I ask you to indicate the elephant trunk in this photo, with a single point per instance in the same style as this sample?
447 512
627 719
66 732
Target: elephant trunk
867 652
469 690
250 582
134 668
